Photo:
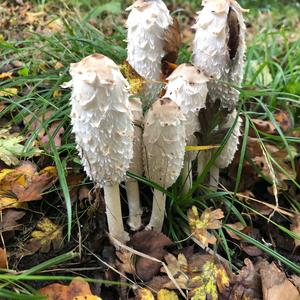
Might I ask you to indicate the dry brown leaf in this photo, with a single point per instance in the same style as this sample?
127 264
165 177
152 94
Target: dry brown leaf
3 259
295 227
275 285
126 263
284 120
264 126
247 283
9 224
46 234
237 226
199 225
179 270
78 287
24 184
153 244
54 128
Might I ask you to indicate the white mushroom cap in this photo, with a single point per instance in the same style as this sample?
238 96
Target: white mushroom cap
146 24
101 119
164 142
210 44
187 87
228 152
211 51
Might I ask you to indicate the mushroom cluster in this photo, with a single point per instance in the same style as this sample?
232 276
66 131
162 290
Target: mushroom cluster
147 133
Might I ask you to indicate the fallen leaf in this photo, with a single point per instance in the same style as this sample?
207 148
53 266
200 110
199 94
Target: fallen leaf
237 226
145 294
166 295
54 128
46 234
9 92
295 227
275 285
8 223
264 126
6 75
78 287
153 244
3 259
247 283
136 82
10 147
178 267
199 226
284 120
209 277
126 261
24 184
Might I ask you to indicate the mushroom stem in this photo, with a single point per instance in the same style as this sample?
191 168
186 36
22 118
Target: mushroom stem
114 213
133 197
214 177
202 160
158 211
187 176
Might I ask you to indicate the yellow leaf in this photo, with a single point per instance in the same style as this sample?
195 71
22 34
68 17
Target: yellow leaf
199 225
166 295
46 234
209 280
136 82
57 94
6 75
145 294
201 148
9 92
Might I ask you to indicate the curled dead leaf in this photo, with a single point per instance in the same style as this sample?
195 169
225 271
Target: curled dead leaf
24 184
237 226
3 259
77 288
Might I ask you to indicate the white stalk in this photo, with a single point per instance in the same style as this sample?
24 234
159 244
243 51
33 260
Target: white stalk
214 174
158 211
135 210
114 213
136 166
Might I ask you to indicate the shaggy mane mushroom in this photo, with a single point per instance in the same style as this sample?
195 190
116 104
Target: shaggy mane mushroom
164 143
103 128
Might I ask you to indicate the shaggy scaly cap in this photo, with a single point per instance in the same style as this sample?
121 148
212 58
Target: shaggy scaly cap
164 142
226 156
219 26
146 24
101 119
187 87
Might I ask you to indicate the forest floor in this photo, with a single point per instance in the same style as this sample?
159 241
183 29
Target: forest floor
52 219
